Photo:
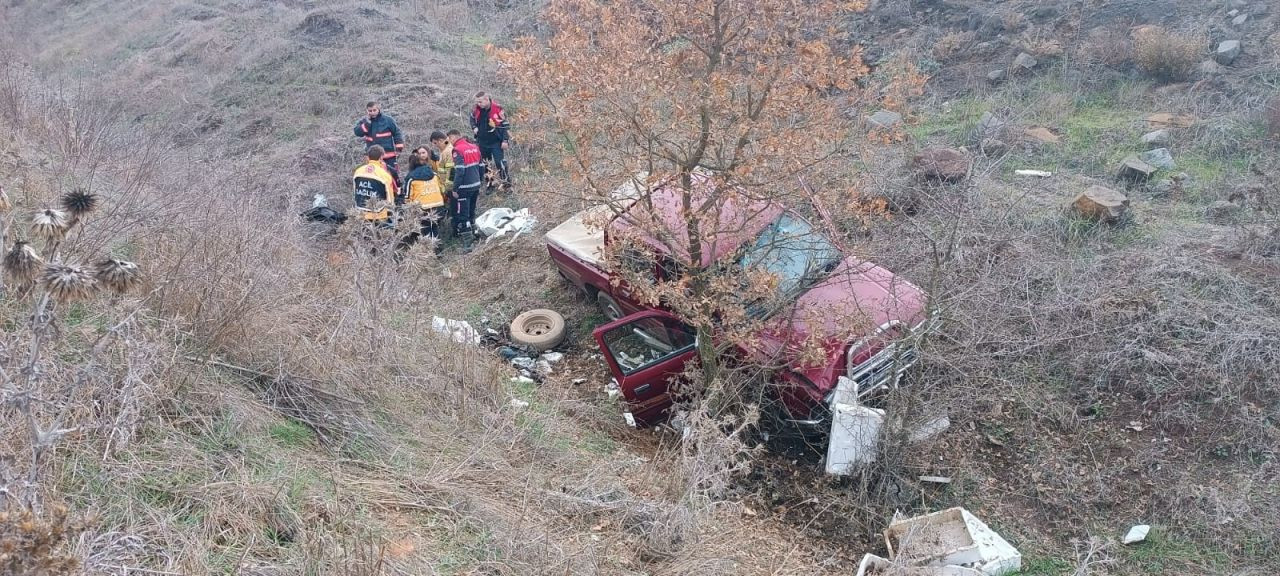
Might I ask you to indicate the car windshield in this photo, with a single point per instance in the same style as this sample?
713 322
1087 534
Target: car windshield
794 252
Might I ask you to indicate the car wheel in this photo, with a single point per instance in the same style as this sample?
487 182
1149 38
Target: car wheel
608 306
539 329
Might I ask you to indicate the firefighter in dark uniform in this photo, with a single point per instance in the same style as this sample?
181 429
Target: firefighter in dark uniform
466 186
492 132
378 129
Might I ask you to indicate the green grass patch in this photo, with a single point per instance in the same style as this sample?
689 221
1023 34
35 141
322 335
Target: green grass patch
1044 566
1163 554
291 433
953 124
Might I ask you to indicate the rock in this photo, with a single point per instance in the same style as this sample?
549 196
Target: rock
1137 534
1101 204
996 76
1042 135
1222 211
885 119
553 357
1024 63
1160 158
1163 189
1227 52
1240 20
941 163
1233 12
993 147
1210 68
1167 120
989 126
1134 169
1156 137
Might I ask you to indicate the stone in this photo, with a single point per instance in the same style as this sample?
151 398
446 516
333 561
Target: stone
989 125
1160 158
1137 534
1222 211
996 76
941 163
1133 169
1156 137
1163 189
1240 20
1227 52
1233 12
1210 68
887 119
1167 120
1101 204
993 147
1024 63
1042 135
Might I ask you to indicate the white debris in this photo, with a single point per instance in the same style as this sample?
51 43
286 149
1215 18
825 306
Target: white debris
1137 534
952 537
1036 173
320 201
524 380
518 403
872 565
936 479
855 432
579 381
496 222
524 363
929 429
542 366
458 330
631 420
553 357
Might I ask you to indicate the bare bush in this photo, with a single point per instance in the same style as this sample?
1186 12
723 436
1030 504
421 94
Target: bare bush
1167 55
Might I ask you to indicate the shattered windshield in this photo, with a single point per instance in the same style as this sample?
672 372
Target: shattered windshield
794 252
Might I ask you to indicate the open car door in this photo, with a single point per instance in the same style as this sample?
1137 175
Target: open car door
644 351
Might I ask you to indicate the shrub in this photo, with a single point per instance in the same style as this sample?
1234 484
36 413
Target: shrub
1107 47
1166 55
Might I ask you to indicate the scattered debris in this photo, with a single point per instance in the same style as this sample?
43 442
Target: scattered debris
929 429
1160 158
936 479
872 565
1100 203
886 119
523 380
1037 173
942 163
579 381
496 222
1134 169
552 357
855 430
1156 137
1227 52
951 537
1136 426
1137 534
518 403
459 331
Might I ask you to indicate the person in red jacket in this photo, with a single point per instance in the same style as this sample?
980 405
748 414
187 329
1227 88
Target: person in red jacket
380 129
492 133
466 186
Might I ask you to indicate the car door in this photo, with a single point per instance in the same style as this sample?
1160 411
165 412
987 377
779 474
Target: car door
645 351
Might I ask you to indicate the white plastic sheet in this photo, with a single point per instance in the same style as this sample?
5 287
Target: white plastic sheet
497 222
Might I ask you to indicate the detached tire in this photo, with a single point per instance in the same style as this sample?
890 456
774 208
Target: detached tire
539 329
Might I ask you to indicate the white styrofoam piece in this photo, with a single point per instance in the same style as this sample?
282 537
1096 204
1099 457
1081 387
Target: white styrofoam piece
855 431
1137 534
872 565
952 537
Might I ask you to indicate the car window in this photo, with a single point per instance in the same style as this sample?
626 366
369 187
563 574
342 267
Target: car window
637 344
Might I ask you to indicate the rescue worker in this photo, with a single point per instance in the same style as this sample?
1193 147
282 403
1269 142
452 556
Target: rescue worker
381 130
422 189
466 186
375 189
442 159
489 124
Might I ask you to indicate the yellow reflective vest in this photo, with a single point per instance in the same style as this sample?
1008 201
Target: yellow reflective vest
443 167
375 190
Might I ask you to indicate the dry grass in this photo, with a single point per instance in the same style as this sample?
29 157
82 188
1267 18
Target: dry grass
1167 55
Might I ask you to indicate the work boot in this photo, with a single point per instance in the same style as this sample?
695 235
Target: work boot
468 239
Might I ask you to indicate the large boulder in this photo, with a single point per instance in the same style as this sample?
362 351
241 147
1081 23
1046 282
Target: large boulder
941 163
1100 204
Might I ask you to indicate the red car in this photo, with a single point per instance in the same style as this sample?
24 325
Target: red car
861 314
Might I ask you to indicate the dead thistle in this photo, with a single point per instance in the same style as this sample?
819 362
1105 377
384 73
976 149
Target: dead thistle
78 203
22 263
68 282
118 276
50 224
